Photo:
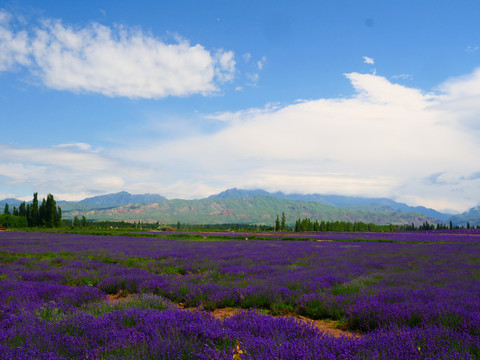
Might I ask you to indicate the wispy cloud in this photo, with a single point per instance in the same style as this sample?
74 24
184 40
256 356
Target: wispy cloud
79 146
368 60
116 61
472 49
440 179
253 73
261 63
402 77
225 70
473 176
253 79
65 169
14 47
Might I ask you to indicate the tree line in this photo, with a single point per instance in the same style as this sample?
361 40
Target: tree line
358 226
340 226
34 214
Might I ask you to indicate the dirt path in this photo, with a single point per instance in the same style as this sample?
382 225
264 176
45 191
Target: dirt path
327 326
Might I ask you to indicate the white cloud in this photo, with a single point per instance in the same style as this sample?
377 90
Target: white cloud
377 89
461 87
460 99
108 182
368 60
114 61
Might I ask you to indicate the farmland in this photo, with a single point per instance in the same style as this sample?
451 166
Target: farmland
390 296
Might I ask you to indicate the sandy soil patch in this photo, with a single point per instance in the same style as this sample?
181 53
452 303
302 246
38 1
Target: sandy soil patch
328 326
225 312
120 296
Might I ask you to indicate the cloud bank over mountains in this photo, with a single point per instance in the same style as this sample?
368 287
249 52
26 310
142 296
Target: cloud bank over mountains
386 140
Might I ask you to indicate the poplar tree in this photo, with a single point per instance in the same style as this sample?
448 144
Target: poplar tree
34 211
283 225
277 223
22 210
41 213
58 217
50 211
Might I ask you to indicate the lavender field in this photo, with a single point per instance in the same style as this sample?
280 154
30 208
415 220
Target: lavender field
394 296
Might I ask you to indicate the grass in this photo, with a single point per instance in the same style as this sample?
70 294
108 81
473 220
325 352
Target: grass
356 284
50 313
136 301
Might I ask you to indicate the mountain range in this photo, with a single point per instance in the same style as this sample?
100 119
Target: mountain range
352 202
471 216
253 207
111 200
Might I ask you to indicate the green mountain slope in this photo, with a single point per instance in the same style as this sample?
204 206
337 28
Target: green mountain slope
110 201
249 210
353 202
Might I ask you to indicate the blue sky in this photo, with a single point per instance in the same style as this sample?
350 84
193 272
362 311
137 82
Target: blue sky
189 98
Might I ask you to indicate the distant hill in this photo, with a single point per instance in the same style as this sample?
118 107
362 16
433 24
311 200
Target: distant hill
11 203
249 210
239 194
353 202
110 201
471 216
